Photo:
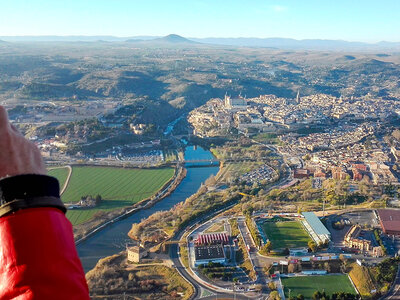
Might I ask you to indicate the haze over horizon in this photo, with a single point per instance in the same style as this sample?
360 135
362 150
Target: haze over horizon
368 21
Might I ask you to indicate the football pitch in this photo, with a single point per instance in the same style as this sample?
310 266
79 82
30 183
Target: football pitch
307 285
288 234
118 188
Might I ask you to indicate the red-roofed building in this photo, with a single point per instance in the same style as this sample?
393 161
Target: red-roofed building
212 238
301 173
390 221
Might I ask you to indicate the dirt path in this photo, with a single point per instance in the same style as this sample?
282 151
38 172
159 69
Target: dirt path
68 177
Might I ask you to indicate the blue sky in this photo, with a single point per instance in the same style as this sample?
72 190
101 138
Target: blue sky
353 20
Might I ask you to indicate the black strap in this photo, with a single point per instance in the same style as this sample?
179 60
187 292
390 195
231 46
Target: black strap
18 204
28 191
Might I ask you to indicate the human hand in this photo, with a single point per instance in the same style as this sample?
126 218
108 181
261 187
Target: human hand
17 155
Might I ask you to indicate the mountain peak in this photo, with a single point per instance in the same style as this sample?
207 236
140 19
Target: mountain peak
174 38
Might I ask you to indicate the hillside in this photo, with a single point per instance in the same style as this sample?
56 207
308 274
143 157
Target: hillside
179 75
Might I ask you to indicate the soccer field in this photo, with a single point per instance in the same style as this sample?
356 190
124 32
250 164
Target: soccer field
118 187
307 285
289 234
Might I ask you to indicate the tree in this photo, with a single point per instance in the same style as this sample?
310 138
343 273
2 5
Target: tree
274 296
98 199
317 295
268 247
272 286
299 211
327 267
291 268
312 245
248 211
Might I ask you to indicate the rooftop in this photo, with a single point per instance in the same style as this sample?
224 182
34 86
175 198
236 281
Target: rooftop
315 223
209 252
390 219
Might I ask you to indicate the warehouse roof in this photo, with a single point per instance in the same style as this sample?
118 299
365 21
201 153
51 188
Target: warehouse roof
315 223
390 220
209 252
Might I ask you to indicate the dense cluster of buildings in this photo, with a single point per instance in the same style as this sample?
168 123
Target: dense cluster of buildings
337 151
373 172
269 113
332 138
357 162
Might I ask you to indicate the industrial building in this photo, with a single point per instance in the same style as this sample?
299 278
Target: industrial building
315 228
390 221
211 253
212 238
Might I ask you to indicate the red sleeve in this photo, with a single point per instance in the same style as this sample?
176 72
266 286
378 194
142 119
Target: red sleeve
38 258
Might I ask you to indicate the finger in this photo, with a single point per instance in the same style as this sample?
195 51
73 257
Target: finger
14 128
4 123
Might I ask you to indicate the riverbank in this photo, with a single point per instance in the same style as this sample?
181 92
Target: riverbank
83 231
113 238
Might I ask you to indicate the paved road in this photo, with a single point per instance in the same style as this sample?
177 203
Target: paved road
258 260
286 177
394 292
198 286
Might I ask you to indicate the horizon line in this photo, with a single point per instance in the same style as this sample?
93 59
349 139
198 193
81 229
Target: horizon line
192 37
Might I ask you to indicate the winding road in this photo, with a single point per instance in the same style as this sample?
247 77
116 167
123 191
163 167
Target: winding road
205 292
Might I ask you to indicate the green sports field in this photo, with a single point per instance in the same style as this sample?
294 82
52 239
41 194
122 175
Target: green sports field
307 285
61 174
118 188
290 234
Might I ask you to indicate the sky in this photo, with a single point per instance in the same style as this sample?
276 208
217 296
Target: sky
351 20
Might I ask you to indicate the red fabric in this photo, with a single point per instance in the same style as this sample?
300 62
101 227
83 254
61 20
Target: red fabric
38 258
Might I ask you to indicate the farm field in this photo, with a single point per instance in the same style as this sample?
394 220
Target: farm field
118 188
235 170
307 285
61 174
288 234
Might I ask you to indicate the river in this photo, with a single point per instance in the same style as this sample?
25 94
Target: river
114 238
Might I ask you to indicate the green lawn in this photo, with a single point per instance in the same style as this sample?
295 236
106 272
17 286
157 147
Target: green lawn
290 234
118 187
307 285
61 174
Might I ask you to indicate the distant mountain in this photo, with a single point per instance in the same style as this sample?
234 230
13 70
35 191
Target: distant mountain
171 39
307 44
174 39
